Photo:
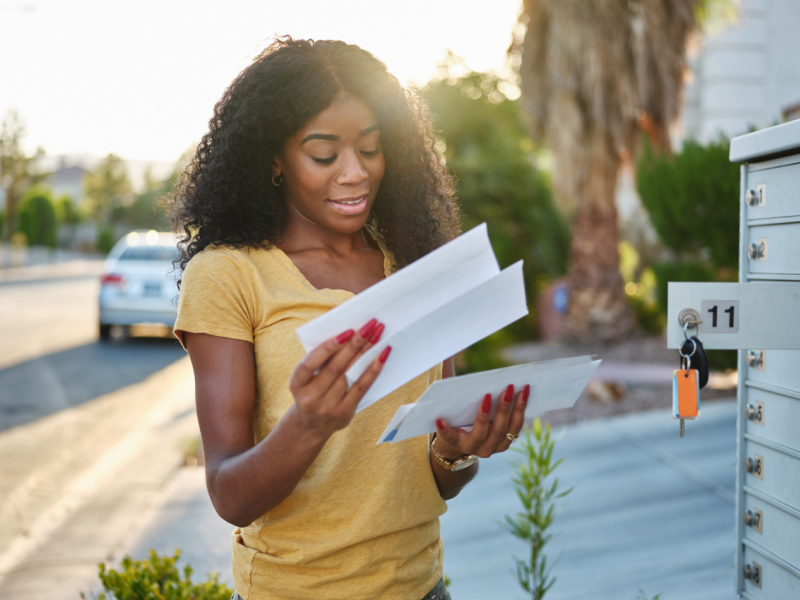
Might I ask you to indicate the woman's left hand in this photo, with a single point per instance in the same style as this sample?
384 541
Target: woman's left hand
486 438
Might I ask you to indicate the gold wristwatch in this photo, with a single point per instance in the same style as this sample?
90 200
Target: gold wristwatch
462 462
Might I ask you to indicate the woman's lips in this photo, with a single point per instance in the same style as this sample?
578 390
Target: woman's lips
350 206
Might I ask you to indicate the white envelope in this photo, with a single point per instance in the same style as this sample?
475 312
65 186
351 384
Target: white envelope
411 292
554 384
431 309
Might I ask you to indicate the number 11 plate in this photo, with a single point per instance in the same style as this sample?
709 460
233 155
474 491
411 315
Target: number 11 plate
719 316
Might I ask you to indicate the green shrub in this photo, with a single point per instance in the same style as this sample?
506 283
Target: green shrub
37 217
538 493
158 579
105 239
693 201
487 147
67 212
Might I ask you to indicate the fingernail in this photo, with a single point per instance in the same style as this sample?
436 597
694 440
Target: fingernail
367 329
439 424
486 407
527 393
509 393
377 335
343 337
384 355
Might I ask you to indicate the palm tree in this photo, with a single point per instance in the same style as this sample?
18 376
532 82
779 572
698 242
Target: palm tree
594 75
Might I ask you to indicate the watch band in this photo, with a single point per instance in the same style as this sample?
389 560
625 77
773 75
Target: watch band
462 462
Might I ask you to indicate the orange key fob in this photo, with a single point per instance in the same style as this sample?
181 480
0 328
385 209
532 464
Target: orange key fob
685 394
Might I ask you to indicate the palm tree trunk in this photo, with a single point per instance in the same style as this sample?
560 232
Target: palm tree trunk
598 311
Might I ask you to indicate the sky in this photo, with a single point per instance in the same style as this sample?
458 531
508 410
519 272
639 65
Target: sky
140 78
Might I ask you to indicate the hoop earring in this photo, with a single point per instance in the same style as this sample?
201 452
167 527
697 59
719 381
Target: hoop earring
277 180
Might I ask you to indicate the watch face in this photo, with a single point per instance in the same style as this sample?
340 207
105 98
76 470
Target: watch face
463 464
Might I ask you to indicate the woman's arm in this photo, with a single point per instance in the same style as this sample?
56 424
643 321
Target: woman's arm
244 479
485 439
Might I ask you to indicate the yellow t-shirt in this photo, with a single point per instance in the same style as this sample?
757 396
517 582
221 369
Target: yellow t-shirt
363 522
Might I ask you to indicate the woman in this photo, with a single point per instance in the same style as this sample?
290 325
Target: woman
318 178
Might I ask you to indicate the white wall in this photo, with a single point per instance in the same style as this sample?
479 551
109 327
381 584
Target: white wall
746 74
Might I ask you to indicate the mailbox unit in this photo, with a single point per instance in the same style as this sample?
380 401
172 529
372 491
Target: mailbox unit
768 446
760 316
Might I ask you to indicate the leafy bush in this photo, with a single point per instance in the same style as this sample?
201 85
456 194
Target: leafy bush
693 200
486 145
105 239
538 496
37 217
158 579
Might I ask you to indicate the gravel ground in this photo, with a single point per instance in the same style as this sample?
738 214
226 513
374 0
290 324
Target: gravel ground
603 399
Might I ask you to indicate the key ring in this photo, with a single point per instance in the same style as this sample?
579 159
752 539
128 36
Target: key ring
686 358
687 323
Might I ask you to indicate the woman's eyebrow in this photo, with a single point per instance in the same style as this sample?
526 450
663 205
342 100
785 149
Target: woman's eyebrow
320 136
328 137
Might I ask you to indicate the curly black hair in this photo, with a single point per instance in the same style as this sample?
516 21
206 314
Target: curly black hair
225 195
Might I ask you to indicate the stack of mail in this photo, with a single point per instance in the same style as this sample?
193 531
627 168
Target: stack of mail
431 309
554 384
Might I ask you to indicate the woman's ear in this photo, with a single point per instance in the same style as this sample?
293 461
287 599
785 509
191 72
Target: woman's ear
276 166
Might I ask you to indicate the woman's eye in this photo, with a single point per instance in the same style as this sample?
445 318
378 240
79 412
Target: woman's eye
324 161
371 152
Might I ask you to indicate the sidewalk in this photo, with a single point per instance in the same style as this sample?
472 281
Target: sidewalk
73 268
650 510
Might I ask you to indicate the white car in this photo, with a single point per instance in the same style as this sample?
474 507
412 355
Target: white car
138 285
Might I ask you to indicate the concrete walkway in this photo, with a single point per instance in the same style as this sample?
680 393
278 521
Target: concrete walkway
649 511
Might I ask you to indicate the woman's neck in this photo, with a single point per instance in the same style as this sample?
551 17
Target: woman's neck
302 234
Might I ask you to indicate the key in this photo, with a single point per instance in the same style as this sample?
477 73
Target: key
685 395
697 359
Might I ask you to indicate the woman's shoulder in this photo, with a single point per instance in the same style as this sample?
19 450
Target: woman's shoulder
229 257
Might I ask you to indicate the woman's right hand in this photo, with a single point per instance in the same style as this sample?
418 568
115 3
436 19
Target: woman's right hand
323 402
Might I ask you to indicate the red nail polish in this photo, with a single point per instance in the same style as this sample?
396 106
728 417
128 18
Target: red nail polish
527 393
343 337
367 329
377 335
486 407
385 354
439 424
509 393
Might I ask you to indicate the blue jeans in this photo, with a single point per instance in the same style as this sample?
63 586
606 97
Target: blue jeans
437 593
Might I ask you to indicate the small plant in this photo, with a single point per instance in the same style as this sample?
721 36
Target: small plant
538 496
192 451
158 579
643 596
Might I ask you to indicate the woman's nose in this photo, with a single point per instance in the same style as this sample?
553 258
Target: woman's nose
352 171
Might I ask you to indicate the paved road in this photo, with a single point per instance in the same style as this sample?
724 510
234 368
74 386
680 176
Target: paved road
89 433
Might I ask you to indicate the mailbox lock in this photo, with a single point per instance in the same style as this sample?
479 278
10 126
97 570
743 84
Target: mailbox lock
750 413
755 465
755 251
749 518
753 573
756 197
754 358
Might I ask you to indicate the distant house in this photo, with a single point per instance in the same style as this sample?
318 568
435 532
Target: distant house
68 181
747 75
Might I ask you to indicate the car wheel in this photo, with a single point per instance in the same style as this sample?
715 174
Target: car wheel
105 331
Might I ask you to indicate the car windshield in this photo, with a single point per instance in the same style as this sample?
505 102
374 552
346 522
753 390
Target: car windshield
150 253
